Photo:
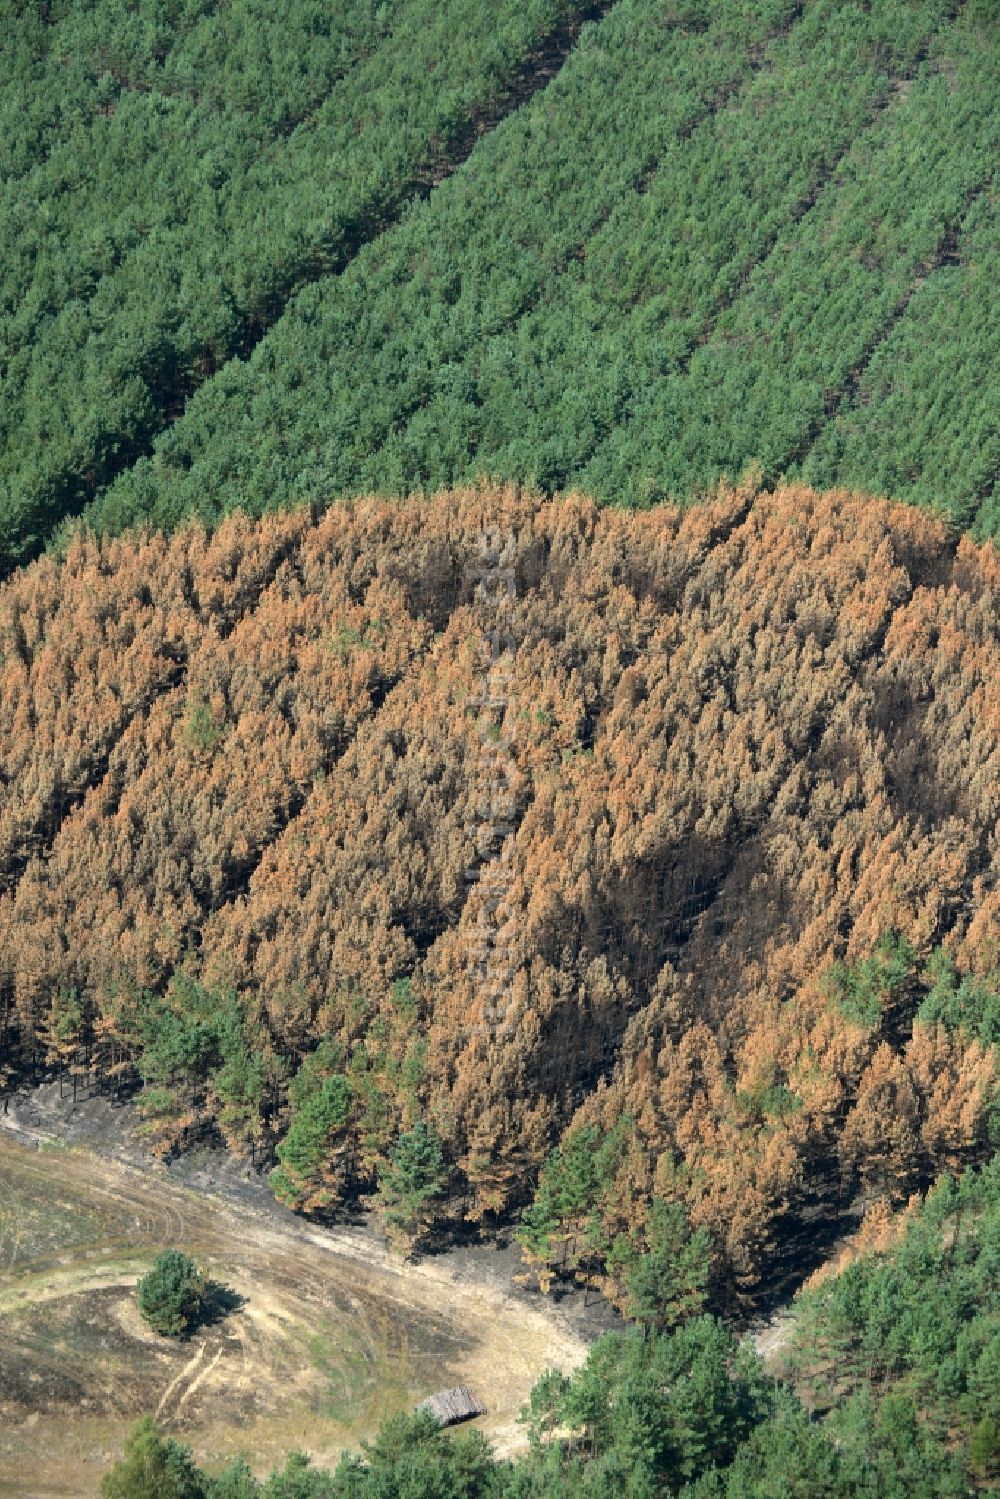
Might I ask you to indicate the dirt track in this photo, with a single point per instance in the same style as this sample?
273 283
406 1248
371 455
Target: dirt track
333 1332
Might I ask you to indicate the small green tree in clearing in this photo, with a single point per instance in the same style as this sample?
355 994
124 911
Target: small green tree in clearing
171 1297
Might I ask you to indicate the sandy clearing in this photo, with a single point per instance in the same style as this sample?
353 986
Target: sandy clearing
334 1332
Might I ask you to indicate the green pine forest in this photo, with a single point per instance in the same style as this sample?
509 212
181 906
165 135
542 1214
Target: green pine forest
260 255
276 272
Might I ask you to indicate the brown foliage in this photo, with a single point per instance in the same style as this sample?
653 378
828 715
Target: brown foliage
736 744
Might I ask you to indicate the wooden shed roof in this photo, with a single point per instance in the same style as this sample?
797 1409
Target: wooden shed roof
450 1406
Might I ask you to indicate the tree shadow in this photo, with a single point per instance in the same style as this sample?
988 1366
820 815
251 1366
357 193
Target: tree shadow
218 1302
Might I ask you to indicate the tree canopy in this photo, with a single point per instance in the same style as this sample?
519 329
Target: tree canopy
693 926
171 1296
262 255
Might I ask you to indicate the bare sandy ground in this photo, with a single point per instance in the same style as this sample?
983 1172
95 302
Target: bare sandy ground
332 1333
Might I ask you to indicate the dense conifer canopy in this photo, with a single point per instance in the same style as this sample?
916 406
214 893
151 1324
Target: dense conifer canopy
624 875
266 253
678 851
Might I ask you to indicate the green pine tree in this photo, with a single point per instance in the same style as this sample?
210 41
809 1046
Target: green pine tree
153 1468
414 1177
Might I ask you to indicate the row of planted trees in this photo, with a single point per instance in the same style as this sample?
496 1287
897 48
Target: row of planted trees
750 754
